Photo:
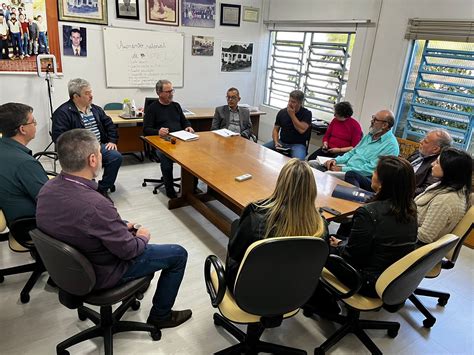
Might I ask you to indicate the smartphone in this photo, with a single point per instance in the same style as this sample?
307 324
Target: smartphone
330 210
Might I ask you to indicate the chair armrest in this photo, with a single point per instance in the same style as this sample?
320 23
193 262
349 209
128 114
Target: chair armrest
332 283
46 153
216 298
20 228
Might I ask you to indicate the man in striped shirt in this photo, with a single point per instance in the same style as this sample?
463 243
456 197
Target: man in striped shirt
80 112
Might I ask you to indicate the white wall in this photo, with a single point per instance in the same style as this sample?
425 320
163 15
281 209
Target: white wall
380 54
204 84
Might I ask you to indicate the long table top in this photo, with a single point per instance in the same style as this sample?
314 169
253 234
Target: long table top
198 114
217 160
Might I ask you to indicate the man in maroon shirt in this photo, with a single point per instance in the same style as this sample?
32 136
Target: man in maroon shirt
72 210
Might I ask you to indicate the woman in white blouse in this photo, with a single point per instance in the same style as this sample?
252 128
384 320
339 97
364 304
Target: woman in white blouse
444 203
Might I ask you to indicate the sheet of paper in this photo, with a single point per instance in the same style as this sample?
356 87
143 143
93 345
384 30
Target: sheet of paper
224 132
322 160
184 135
187 112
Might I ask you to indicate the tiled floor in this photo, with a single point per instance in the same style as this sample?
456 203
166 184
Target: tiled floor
36 327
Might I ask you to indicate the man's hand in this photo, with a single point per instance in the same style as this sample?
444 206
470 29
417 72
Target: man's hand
189 129
130 225
290 110
325 146
329 164
335 168
334 150
163 132
334 242
111 146
143 232
277 144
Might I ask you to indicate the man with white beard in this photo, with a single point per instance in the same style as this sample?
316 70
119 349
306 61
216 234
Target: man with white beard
71 209
364 157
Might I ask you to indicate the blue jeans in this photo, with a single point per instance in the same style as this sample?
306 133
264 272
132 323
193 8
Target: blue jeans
171 260
111 161
16 43
297 150
43 42
24 44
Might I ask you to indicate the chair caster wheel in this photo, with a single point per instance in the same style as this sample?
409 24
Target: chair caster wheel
144 184
307 312
217 320
81 315
155 192
319 351
112 189
135 306
24 297
64 352
392 333
2 278
156 334
428 323
443 301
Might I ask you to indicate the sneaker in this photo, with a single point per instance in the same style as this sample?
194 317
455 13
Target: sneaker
27 55
176 318
104 193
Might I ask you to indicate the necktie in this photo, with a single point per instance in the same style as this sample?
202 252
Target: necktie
77 51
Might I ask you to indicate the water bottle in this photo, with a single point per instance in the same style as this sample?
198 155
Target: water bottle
133 109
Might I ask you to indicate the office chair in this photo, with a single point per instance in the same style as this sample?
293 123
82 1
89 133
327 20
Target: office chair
51 155
19 241
276 277
462 230
393 286
75 277
113 106
150 153
4 231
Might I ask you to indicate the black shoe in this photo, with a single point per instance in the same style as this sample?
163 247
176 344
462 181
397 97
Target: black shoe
104 193
171 193
176 318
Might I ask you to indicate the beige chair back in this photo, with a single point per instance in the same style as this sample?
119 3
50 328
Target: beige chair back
3 222
462 230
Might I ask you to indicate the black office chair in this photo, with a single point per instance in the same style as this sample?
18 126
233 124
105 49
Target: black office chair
276 277
393 287
150 153
20 241
75 277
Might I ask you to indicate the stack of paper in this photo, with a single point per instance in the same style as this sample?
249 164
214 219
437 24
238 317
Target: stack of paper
322 160
184 135
224 132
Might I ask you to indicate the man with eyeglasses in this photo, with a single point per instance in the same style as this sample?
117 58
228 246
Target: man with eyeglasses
161 118
364 157
233 117
21 175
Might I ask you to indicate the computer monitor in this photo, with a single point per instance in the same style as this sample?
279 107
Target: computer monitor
148 102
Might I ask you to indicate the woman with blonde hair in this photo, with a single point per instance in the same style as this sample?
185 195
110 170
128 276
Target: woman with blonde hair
289 211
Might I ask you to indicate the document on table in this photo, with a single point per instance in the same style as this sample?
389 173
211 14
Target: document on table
184 135
322 160
187 112
224 132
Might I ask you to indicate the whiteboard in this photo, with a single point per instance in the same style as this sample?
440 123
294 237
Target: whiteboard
138 58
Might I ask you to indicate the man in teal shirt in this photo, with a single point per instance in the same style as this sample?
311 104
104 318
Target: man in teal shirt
364 157
21 175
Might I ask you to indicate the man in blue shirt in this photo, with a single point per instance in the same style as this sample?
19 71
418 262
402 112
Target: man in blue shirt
21 175
364 157
292 127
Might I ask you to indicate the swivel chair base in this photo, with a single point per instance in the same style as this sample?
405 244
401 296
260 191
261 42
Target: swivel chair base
160 183
106 325
443 298
37 268
249 343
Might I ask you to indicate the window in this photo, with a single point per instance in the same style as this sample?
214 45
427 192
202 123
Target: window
316 63
438 92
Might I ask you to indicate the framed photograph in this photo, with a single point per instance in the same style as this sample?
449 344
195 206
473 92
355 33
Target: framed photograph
127 9
19 58
230 15
198 13
93 11
250 14
203 46
236 56
162 12
74 41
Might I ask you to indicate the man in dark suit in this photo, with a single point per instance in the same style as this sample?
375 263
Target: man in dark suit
76 48
430 148
233 117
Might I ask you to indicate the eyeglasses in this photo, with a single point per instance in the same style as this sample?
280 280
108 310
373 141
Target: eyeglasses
377 120
168 91
232 97
28 123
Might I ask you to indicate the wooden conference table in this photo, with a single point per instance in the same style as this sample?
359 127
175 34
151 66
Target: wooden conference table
218 160
130 130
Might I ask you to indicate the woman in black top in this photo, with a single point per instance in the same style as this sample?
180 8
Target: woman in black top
385 229
289 211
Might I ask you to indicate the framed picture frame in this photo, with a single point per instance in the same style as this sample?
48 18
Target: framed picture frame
250 14
230 15
88 12
198 13
162 12
127 9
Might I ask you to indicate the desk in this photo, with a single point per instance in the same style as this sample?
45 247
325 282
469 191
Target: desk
131 129
218 160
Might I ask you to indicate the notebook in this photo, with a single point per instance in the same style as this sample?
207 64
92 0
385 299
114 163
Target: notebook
224 132
184 135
